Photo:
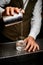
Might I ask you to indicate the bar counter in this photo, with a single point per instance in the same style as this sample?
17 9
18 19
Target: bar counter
9 55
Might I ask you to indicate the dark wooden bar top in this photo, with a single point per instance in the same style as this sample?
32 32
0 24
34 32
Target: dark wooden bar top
8 54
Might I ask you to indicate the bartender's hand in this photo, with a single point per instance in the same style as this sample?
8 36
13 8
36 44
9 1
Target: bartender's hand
9 11
31 44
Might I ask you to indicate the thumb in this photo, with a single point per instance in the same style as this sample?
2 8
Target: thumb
25 40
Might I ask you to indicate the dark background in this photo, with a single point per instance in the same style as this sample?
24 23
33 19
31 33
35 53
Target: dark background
41 31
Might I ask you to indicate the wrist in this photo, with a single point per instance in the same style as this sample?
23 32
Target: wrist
32 36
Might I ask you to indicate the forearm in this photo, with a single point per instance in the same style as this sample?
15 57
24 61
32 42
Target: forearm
36 20
35 29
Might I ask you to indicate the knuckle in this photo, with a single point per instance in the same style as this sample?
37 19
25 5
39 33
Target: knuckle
7 7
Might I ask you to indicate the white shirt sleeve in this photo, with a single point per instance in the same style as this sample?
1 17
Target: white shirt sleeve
36 20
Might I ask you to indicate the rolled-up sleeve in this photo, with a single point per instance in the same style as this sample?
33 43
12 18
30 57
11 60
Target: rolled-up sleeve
36 20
